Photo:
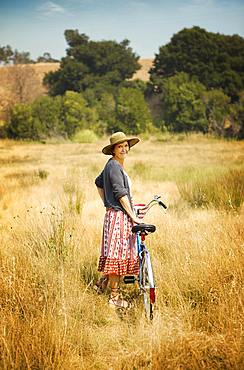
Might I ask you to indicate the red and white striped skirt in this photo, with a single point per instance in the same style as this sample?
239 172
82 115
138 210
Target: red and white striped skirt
119 246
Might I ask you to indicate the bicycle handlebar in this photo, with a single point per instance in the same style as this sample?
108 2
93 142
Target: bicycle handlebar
156 199
150 204
162 204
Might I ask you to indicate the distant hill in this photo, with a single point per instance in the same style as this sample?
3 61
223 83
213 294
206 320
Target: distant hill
143 72
42 68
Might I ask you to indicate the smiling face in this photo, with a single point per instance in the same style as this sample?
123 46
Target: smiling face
121 150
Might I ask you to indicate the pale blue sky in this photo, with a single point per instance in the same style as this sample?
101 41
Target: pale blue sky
38 26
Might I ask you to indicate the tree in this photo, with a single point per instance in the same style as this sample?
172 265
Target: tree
217 60
76 114
237 118
135 84
106 109
183 104
5 54
217 108
98 65
21 122
68 77
37 120
24 83
21 58
21 85
46 58
46 113
132 111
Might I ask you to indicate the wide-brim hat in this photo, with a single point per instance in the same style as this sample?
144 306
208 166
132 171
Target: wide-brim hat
116 138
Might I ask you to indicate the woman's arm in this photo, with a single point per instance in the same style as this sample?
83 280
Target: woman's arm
127 207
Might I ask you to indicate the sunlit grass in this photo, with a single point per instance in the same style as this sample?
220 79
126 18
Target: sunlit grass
51 221
222 191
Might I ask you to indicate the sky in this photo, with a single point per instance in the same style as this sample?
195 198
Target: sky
37 26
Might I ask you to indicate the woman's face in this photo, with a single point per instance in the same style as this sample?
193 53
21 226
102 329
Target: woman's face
121 150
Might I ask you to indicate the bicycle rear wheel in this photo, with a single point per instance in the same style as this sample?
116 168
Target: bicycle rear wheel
148 286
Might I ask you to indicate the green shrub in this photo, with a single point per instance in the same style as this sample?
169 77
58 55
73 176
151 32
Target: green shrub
3 132
85 136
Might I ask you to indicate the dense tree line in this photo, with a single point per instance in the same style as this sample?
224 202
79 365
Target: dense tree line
69 114
198 76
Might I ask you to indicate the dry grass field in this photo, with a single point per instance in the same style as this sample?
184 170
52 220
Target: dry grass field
50 234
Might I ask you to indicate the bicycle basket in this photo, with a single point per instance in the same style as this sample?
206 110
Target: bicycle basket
140 210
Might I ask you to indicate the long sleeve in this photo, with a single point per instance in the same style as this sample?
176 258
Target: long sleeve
117 180
99 180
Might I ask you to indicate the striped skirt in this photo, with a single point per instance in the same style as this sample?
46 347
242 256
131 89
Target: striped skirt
119 246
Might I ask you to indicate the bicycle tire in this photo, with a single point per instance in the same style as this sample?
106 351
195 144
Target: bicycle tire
148 286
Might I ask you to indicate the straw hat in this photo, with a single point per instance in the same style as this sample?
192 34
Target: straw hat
116 138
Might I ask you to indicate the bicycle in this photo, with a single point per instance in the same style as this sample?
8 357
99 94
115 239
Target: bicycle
145 279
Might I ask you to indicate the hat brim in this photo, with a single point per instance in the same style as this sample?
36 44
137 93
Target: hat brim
108 148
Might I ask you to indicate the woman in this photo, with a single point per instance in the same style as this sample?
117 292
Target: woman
119 251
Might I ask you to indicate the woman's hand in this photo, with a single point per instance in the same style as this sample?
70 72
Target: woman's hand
127 207
138 221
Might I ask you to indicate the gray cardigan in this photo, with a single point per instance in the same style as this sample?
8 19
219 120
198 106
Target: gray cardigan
115 185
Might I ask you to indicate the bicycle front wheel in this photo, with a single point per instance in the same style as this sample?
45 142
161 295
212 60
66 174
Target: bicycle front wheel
148 286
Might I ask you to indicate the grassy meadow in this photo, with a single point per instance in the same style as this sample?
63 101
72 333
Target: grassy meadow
51 220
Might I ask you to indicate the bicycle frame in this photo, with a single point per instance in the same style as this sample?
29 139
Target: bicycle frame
141 211
144 254
146 279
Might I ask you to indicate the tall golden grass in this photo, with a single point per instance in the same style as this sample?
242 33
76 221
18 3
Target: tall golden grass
51 223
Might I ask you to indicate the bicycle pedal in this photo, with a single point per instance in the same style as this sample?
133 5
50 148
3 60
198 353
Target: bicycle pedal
129 279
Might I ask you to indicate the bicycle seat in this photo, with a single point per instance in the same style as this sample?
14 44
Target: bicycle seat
144 228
